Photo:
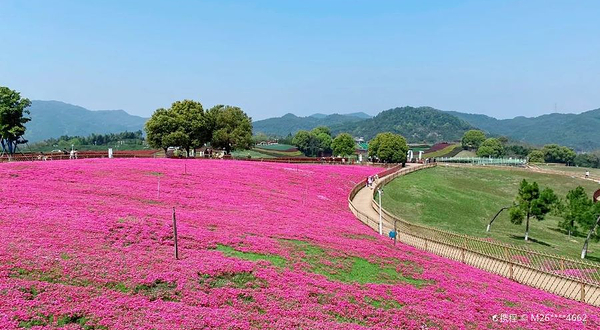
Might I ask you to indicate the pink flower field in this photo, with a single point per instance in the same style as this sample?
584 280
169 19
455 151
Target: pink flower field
88 244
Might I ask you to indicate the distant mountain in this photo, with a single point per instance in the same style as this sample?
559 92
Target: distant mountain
578 131
291 123
423 124
53 119
360 115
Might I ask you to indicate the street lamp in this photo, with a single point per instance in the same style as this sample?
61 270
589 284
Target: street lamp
379 192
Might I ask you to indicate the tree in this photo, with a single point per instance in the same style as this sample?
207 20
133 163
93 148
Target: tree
590 159
324 141
577 206
343 145
388 147
591 223
553 153
536 156
321 129
191 123
322 134
13 109
232 128
306 142
183 125
530 203
472 139
491 147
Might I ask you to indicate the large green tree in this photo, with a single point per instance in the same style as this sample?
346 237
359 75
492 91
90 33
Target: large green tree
536 156
491 147
388 147
343 145
553 153
306 142
13 111
531 203
472 139
183 125
590 222
577 206
232 128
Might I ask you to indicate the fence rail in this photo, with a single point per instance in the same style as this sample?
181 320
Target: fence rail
571 278
484 161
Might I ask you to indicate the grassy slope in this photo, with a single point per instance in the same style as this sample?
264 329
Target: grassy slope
466 153
252 153
442 152
465 199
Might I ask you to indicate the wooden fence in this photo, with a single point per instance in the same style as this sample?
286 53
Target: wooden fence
571 278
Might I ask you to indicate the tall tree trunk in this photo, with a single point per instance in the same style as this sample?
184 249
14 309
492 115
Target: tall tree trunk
587 239
527 228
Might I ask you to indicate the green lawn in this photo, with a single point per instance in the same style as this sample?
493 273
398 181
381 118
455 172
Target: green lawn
279 147
252 153
464 199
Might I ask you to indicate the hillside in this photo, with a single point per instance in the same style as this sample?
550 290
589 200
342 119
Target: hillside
53 119
423 124
579 131
290 123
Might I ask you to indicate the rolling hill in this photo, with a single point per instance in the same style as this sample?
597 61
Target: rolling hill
578 131
423 124
290 123
53 119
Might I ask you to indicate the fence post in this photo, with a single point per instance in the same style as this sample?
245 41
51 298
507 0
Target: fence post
582 292
462 249
510 264
175 235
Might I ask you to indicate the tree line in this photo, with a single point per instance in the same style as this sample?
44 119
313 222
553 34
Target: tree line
136 137
551 153
384 147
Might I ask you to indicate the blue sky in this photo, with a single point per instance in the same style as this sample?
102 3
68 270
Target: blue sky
500 58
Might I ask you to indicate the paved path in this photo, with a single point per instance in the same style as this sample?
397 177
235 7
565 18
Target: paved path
362 207
362 202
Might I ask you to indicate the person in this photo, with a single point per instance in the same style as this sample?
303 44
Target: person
587 174
368 180
75 153
72 154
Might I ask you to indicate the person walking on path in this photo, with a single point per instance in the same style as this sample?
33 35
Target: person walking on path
587 174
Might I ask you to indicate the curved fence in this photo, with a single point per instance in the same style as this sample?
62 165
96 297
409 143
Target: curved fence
571 278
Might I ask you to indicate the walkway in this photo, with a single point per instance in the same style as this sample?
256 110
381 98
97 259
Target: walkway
364 209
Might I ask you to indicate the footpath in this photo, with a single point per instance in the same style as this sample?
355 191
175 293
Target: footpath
364 209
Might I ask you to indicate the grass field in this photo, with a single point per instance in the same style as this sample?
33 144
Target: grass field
280 147
252 153
464 200
279 153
